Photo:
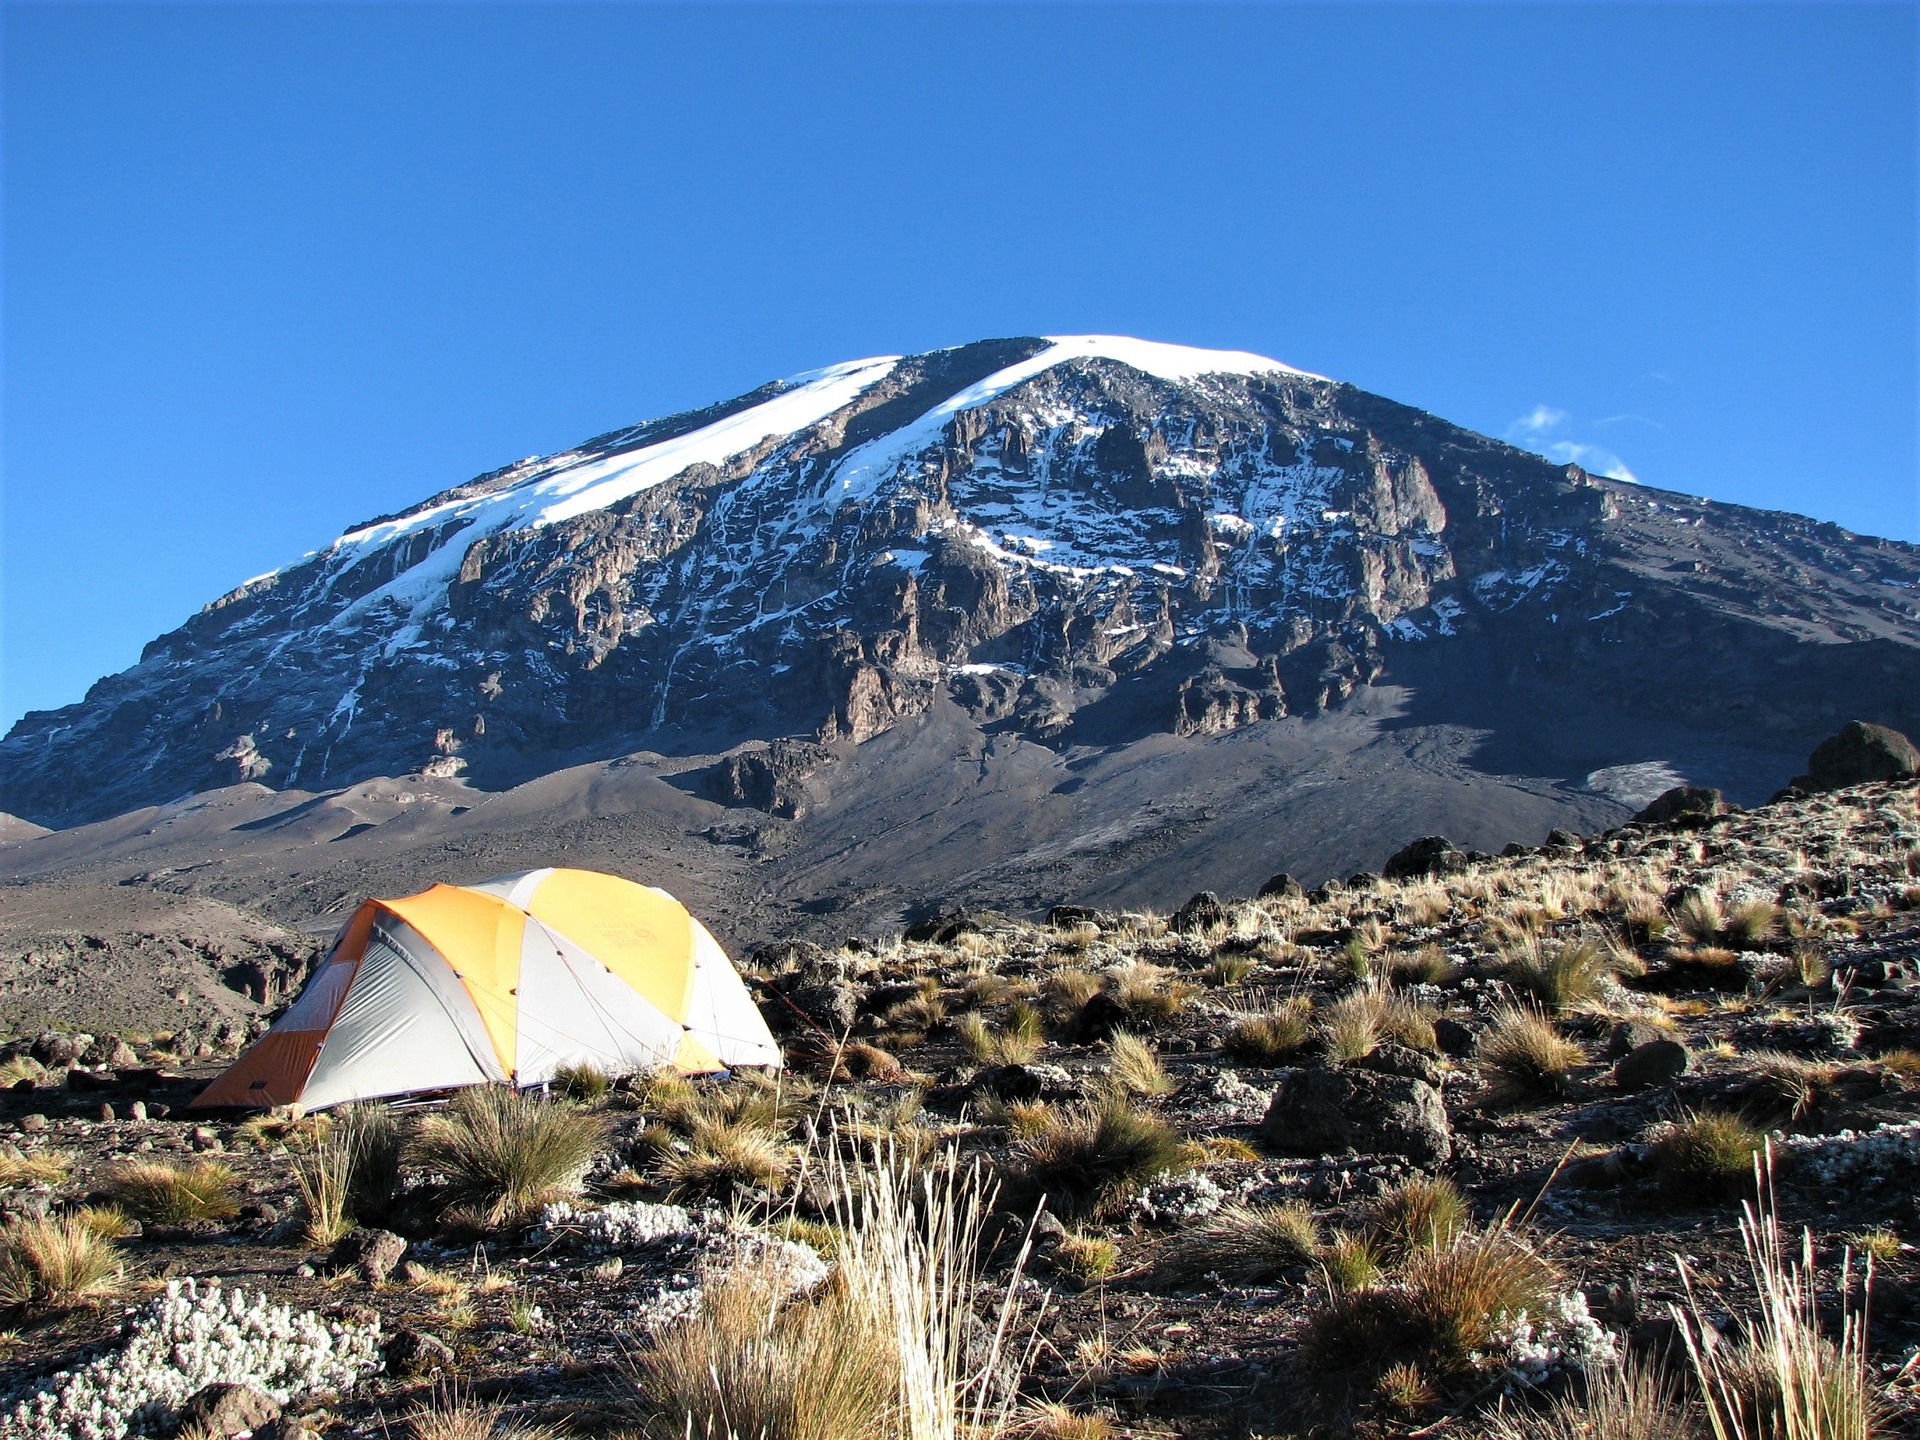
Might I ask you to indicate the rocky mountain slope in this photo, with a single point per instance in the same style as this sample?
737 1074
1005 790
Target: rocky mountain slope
1080 542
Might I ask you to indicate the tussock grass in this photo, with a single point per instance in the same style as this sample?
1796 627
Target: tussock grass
1706 1153
1251 1242
1134 1068
1558 974
1148 994
1086 1257
1090 1158
1627 1400
1785 1087
51 1262
1066 993
1052 1420
454 1418
1698 916
1443 1311
155 1192
1271 1036
1349 1262
1227 971
1349 1028
1015 1041
585 1082
889 1348
721 1155
1523 1058
1418 1214
506 1153
1784 1378
352 1172
33 1167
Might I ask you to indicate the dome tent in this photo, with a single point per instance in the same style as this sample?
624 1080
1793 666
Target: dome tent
504 982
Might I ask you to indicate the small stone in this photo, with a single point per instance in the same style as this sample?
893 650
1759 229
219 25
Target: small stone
411 1352
33 1124
227 1409
106 1113
1651 1064
203 1138
1626 1036
137 1110
285 1428
305 1271
372 1253
412 1272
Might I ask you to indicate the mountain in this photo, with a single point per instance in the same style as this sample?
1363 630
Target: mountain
1101 600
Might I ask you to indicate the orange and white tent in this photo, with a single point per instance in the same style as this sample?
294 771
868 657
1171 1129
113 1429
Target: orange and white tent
503 982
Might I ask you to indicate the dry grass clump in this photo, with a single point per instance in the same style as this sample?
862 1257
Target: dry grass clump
455 1418
1557 974
1257 1243
721 1155
1753 924
1051 1420
1705 1153
1066 993
1148 994
1627 1400
505 1153
1349 1262
1442 1312
1349 1028
1086 1257
1225 971
1418 1214
33 1167
1785 1087
1269 1037
1522 1057
1134 1068
351 1174
910 1021
585 1082
1429 965
890 1346
1015 1041
1784 1378
1699 916
48 1262
155 1192
1090 1158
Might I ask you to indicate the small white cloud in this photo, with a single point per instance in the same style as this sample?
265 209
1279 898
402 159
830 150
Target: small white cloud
1542 430
1539 421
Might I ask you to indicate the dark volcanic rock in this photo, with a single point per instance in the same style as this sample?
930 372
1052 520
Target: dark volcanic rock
1858 755
1322 1112
1651 1064
410 1353
1684 806
1432 855
371 1254
1200 912
1282 887
769 779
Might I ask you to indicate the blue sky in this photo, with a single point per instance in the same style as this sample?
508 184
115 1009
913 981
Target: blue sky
273 269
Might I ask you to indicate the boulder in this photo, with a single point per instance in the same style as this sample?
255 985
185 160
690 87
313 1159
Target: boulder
941 929
109 1052
1061 917
1651 1064
1859 755
1429 855
1626 1036
410 1353
1322 1112
1390 1058
53 1049
370 1253
1454 1037
1282 887
1684 807
1202 911
227 1409
832 1007
1099 1018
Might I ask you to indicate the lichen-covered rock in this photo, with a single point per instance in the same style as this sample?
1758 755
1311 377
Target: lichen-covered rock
224 1408
371 1254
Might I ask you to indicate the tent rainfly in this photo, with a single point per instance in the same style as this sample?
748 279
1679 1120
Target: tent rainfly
503 982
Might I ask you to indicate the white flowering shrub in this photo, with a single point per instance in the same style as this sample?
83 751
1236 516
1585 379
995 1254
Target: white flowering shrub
1174 1198
623 1225
1871 1156
1564 1337
189 1338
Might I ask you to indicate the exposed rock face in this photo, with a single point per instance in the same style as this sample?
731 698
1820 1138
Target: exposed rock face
1079 542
